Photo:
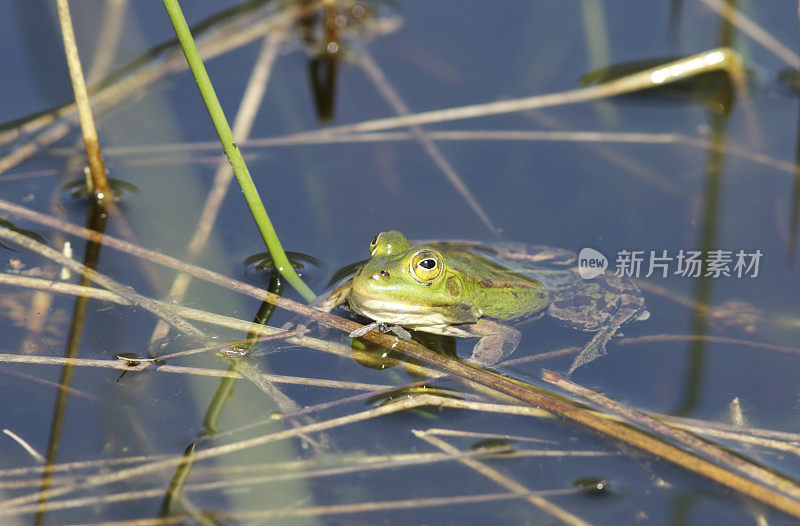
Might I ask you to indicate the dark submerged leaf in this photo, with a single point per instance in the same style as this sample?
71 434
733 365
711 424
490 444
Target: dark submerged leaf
715 86
592 485
28 233
411 392
77 189
263 260
494 445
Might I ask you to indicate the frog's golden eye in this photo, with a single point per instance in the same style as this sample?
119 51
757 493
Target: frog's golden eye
426 265
373 244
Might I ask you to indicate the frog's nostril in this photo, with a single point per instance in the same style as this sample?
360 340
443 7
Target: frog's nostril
384 274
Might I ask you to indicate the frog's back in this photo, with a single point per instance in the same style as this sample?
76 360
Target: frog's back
500 292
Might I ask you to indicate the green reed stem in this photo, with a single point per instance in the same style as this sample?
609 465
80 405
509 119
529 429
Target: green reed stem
232 150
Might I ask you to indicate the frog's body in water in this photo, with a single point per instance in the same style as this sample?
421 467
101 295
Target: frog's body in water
469 290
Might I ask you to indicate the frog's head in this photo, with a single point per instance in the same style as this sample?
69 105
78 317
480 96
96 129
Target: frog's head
409 285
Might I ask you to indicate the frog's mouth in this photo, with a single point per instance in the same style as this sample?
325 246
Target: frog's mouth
412 316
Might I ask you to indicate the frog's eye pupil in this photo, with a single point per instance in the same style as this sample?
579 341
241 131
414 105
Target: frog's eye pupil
374 240
427 263
426 266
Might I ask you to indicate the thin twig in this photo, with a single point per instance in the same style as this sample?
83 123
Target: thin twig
363 464
27 447
753 30
269 473
393 98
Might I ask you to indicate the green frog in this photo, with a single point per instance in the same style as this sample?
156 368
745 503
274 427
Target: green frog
466 289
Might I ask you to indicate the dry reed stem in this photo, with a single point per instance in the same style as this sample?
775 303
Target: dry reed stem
339 509
445 402
105 281
99 182
267 332
243 478
93 481
177 369
324 137
438 431
712 60
721 456
208 477
508 483
505 385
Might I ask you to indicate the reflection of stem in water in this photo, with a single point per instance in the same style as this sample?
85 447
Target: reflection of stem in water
595 29
323 70
324 67
674 27
225 389
214 411
722 98
96 221
697 349
726 33
794 215
175 489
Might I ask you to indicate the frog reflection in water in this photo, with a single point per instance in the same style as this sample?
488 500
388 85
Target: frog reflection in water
470 290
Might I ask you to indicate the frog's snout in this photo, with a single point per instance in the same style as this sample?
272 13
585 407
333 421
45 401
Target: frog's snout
381 275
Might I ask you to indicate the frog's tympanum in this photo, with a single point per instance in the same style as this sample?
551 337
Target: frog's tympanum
470 290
